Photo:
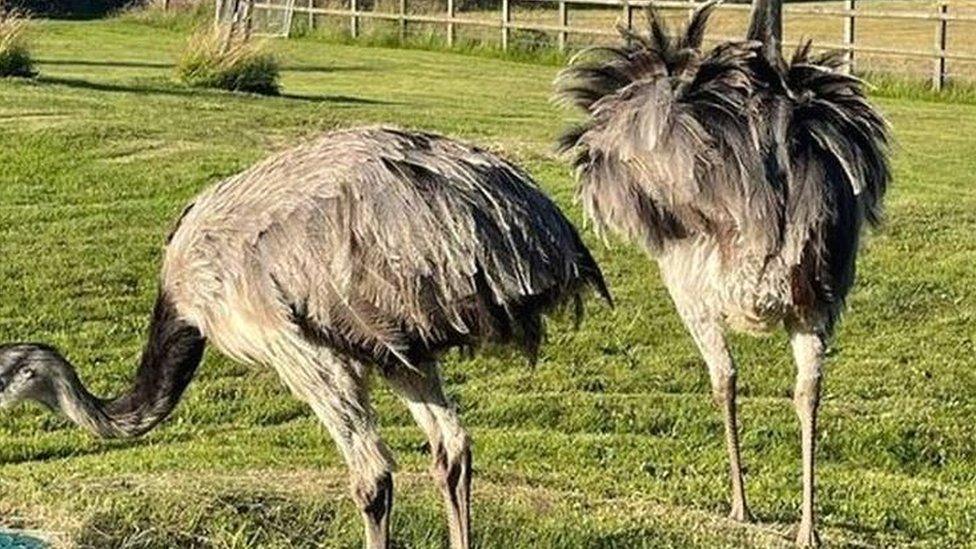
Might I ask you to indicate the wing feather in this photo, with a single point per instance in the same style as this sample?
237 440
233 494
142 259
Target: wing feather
410 243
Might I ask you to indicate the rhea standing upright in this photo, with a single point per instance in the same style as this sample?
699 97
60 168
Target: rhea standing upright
748 178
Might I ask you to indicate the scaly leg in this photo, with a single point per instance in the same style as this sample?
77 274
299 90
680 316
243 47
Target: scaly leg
450 446
808 351
710 338
335 387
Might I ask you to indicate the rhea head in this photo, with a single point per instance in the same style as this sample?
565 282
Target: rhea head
28 371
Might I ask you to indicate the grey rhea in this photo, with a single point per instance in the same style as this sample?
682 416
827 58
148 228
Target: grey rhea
370 248
747 177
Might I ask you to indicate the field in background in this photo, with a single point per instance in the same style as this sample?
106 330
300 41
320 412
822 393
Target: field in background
901 34
610 441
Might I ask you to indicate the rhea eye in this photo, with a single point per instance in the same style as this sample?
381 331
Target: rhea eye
27 373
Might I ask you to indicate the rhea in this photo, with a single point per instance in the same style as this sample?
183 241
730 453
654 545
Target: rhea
370 249
748 178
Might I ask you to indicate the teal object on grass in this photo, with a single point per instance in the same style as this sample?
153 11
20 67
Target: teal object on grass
14 540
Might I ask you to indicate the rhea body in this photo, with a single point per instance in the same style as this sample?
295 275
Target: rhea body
365 249
748 178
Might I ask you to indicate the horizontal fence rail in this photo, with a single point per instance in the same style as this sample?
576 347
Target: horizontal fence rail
847 12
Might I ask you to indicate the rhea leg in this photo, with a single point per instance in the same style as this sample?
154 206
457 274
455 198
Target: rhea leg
710 338
808 351
450 446
336 389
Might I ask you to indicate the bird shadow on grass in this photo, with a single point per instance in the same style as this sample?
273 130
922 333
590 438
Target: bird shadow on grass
163 88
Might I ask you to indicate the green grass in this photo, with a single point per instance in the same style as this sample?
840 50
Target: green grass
610 441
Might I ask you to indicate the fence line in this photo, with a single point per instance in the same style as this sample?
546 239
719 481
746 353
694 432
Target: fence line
850 14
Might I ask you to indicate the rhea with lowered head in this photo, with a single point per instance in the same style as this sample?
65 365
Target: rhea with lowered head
748 178
365 249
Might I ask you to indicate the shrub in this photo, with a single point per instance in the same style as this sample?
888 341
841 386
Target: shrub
210 61
15 59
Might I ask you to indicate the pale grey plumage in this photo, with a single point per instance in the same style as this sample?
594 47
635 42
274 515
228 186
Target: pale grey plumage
683 145
389 245
748 179
363 247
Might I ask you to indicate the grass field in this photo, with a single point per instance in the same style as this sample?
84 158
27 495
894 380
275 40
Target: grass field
610 441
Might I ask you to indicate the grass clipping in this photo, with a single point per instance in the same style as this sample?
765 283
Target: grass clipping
15 59
212 61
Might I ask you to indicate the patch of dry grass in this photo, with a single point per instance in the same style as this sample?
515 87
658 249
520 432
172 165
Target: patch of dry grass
15 58
212 61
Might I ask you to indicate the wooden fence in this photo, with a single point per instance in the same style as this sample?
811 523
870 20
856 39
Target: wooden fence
847 13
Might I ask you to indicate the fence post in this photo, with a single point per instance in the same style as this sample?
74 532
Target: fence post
354 18
506 19
849 29
403 20
311 15
218 9
248 19
941 28
450 24
563 22
165 5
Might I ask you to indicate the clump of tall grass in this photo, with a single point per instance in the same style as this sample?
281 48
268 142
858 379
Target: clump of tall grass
212 60
15 58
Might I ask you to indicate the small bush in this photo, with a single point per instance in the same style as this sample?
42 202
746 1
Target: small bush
15 59
209 62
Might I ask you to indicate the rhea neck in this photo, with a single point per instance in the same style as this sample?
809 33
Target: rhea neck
169 360
767 27
78 404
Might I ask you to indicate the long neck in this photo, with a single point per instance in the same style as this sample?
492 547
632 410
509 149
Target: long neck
170 359
767 27
83 408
